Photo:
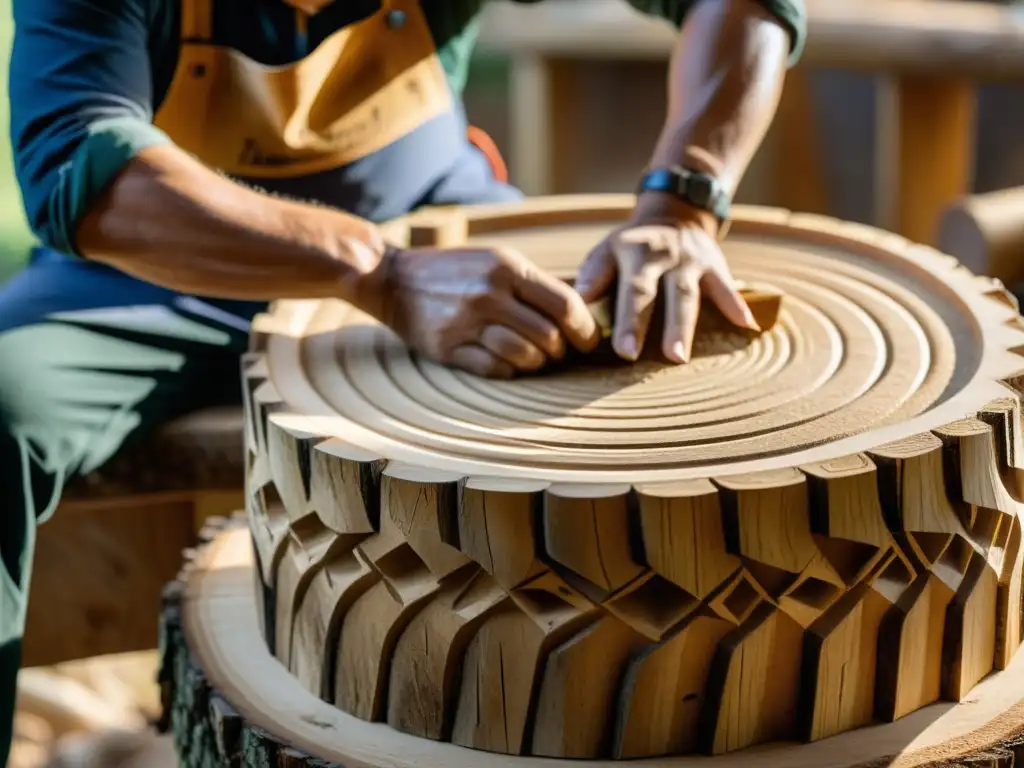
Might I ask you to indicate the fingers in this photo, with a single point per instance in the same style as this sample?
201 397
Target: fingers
529 324
637 292
596 274
721 289
511 348
560 303
682 308
480 361
500 353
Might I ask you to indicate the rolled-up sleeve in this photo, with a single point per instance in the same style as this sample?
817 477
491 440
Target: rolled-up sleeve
792 14
81 105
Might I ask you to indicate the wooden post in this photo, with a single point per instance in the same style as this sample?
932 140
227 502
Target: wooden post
801 183
531 106
936 150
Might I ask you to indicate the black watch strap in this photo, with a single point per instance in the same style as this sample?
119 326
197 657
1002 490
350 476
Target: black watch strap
701 190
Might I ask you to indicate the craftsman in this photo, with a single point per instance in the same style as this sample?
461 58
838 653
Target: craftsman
185 161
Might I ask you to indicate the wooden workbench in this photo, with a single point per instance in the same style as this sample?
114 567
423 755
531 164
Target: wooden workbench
929 56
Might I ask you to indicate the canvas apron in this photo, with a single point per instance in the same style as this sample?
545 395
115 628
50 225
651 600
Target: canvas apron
363 88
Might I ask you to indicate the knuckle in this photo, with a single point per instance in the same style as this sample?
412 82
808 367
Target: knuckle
501 275
478 303
553 341
505 259
561 305
532 356
501 265
643 287
530 360
689 290
498 340
688 280
502 254
510 346
491 338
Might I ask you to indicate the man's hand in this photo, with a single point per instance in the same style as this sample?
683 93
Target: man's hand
680 258
489 311
725 81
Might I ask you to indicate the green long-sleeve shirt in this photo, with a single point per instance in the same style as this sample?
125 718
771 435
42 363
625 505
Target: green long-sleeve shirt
87 76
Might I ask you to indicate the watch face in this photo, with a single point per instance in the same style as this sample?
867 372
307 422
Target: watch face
700 190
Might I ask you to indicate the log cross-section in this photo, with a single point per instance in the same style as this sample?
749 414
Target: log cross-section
801 533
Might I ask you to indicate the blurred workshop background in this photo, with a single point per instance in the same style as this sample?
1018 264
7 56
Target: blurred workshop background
898 107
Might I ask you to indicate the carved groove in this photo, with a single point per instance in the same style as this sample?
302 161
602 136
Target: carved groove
679 566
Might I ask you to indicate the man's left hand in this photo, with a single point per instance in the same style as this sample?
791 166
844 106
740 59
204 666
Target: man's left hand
678 256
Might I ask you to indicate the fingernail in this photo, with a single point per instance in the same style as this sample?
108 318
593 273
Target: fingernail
679 353
752 324
628 347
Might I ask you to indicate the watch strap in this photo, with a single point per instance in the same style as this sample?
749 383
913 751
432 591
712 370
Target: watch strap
696 188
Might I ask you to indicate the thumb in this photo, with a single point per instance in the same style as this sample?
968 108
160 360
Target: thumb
597 273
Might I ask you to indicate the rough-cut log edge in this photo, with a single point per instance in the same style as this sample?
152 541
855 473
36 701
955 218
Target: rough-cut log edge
208 731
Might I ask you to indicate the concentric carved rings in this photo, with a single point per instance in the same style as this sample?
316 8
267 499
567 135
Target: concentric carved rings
797 534
869 336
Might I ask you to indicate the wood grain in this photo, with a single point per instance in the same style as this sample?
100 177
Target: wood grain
228 701
799 534
936 145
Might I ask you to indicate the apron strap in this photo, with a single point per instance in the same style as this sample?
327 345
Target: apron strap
196 20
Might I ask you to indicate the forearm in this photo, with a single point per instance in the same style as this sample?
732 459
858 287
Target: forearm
171 221
725 80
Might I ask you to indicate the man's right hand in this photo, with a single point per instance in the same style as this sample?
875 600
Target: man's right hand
489 311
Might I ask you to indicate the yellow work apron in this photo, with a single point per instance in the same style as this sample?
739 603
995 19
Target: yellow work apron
364 87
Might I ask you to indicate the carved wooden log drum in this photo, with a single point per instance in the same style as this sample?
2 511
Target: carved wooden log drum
813 532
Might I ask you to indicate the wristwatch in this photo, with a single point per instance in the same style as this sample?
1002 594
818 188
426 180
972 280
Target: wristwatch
701 190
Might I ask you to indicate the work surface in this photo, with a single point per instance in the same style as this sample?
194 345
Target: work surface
877 340
653 559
